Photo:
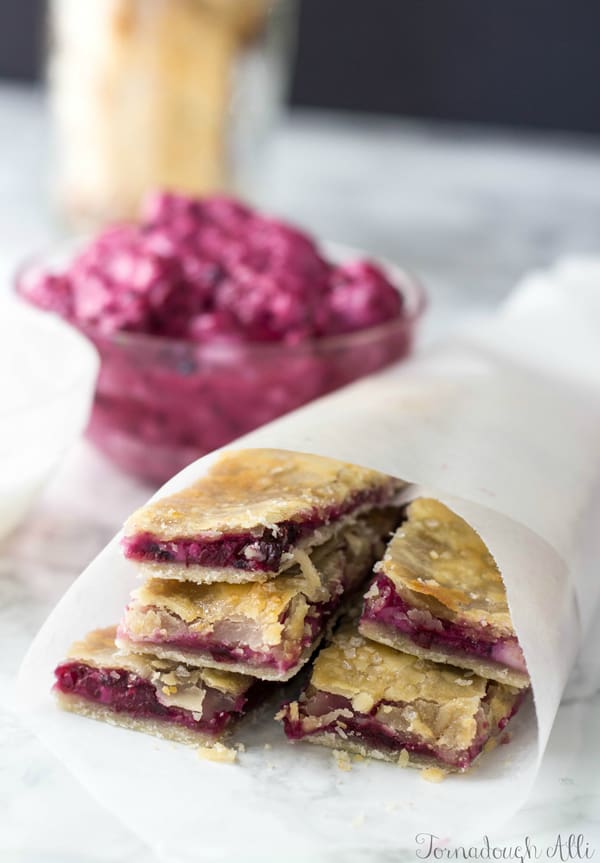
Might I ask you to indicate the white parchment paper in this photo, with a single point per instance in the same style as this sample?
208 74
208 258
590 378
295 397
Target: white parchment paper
502 424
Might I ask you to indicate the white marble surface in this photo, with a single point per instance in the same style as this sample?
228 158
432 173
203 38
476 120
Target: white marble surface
468 211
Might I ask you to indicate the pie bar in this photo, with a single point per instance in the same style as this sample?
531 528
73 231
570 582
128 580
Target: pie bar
438 594
268 629
163 698
370 699
251 515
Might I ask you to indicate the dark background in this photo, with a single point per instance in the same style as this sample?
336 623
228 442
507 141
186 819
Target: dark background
530 63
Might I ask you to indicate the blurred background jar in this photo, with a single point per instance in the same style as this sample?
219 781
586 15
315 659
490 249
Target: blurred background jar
175 94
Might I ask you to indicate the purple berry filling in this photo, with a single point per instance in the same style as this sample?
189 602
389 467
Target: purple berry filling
390 609
214 269
228 551
280 658
125 692
246 551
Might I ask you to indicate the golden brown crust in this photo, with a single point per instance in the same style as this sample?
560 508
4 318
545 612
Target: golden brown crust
247 490
98 649
448 709
481 666
353 665
201 606
437 561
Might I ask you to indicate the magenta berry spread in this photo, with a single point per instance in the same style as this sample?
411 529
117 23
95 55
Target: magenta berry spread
212 319
206 269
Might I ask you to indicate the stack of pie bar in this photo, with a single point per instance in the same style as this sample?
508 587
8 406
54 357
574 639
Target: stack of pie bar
432 671
245 572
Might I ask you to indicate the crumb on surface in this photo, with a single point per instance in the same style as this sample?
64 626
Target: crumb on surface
403 758
218 752
359 820
342 759
433 774
268 746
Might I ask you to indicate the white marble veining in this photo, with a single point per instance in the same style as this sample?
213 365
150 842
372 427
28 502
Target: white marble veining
469 212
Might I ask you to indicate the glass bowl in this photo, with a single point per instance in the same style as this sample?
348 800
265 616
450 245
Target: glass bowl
47 377
162 403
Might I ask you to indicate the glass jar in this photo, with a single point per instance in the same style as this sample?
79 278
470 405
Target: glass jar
153 94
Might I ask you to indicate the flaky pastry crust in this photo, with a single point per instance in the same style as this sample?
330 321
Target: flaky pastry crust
437 561
447 709
202 606
248 490
274 613
98 649
353 666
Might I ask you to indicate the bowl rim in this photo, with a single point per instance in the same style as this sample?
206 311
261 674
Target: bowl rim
406 282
